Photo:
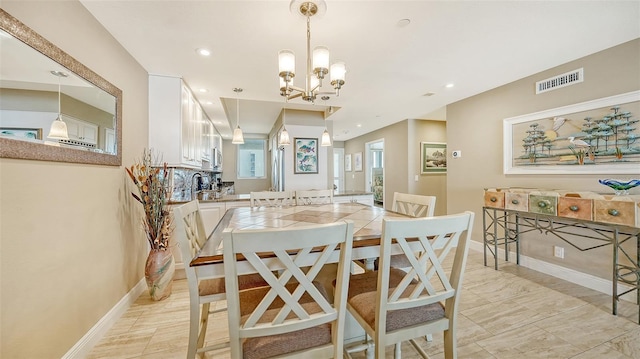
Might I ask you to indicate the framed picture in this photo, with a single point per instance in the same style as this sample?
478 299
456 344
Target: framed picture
20 133
433 157
347 162
306 155
357 161
594 137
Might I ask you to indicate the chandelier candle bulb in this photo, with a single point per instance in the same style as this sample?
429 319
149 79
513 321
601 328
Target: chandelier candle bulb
287 63
338 72
320 61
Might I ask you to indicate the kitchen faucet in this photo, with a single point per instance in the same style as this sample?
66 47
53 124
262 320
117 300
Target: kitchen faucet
194 194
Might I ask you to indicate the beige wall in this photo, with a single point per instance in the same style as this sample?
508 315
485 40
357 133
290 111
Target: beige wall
71 239
395 155
402 160
229 172
428 184
474 126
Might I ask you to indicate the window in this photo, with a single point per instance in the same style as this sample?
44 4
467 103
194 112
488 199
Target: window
378 158
251 159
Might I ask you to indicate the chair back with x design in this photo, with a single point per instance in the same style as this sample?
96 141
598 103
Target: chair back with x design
271 199
422 298
413 205
294 315
309 197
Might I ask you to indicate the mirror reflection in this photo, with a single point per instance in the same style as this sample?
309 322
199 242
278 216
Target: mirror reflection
51 106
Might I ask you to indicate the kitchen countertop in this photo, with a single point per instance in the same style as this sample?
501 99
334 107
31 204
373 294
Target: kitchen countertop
208 197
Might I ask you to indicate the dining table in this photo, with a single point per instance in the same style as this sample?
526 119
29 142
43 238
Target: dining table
367 221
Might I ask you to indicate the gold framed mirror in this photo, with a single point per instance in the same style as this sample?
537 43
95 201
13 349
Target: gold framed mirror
40 84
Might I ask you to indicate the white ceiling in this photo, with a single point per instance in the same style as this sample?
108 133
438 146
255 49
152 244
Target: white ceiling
476 45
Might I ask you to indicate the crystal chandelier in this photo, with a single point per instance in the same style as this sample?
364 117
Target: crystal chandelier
317 66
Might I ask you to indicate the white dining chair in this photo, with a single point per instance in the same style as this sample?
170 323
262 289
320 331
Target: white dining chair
271 199
294 316
413 205
393 305
316 196
190 235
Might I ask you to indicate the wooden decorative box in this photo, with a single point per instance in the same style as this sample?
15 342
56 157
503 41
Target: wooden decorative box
572 205
517 201
543 202
494 197
617 210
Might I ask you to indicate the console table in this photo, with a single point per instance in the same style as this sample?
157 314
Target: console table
503 228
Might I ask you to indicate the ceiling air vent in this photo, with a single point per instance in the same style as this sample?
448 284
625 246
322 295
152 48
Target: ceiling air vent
556 82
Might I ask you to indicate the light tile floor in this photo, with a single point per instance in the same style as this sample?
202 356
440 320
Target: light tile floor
511 313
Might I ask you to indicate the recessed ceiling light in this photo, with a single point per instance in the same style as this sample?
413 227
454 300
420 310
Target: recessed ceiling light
208 103
203 52
358 125
449 85
203 90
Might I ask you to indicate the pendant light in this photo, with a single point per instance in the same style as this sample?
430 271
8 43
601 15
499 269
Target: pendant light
284 135
58 129
326 138
238 137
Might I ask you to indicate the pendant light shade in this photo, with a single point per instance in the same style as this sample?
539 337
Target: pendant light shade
284 138
238 137
284 135
58 129
326 139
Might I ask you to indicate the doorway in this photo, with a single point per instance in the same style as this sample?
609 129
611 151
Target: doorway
338 169
374 170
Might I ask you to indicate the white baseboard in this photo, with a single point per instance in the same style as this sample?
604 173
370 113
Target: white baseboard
570 275
179 273
82 348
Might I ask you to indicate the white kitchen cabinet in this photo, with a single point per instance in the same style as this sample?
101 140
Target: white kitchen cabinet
211 215
111 144
81 131
178 127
